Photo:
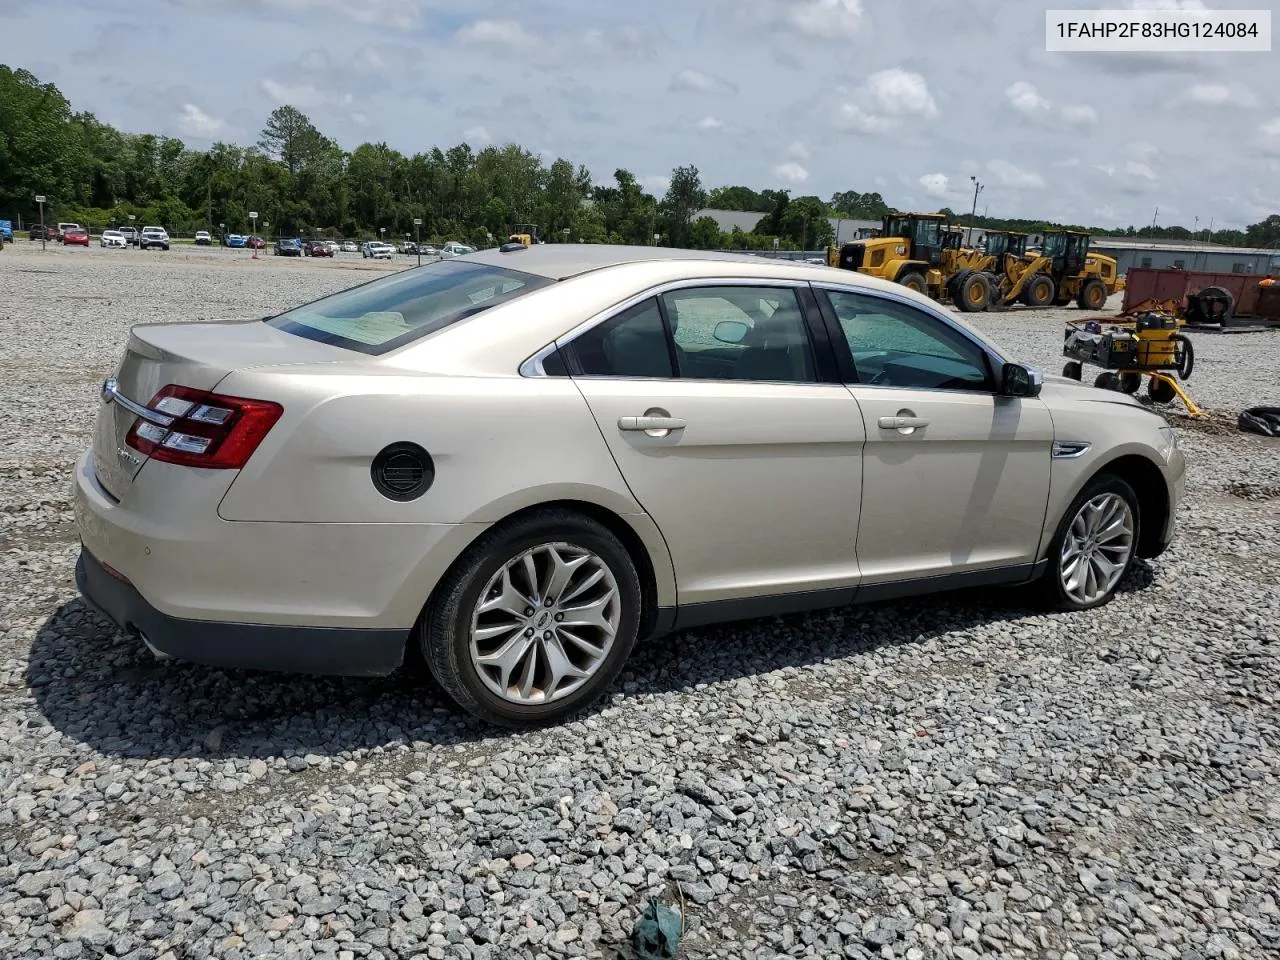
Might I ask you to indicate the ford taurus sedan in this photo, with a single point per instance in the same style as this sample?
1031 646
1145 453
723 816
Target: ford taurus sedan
521 462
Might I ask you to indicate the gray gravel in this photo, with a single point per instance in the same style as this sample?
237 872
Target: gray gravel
957 777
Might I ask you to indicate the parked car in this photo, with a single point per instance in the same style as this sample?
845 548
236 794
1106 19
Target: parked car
680 398
152 237
130 235
318 248
288 247
76 237
255 242
203 238
42 233
234 240
64 227
350 246
6 231
377 250
427 250
113 238
455 249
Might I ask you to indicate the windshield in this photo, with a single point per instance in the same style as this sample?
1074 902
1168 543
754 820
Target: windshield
1055 244
391 311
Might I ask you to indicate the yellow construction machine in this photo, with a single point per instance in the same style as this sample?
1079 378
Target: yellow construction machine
923 253
1061 271
526 233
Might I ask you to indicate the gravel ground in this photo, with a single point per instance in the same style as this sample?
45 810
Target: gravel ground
957 777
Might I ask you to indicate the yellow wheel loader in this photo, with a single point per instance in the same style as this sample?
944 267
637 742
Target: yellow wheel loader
924 254
526 233
1061 271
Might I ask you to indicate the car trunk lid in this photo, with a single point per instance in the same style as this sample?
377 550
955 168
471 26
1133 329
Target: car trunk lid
195 355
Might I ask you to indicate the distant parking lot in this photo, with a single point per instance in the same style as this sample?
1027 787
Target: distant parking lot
957 777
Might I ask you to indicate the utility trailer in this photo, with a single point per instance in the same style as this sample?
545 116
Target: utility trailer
1226 300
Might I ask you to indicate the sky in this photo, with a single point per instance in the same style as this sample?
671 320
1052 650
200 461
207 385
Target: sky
911 98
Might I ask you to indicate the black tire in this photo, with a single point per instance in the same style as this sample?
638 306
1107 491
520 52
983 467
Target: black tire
1107 381
1188 359
914 280
1093 295
1073 370
1160 391
1051 586
974 294
1130 382
445 632
1039 291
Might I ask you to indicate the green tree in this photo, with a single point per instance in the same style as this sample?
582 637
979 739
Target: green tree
705 234
291 138
683 199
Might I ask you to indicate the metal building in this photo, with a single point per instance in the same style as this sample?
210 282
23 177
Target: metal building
1187 255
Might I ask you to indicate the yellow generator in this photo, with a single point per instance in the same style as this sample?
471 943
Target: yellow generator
924 254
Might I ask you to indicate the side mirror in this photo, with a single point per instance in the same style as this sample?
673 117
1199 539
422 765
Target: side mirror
1019 381
731 331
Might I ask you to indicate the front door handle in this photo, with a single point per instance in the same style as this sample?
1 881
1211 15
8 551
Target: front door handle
902 423
654 426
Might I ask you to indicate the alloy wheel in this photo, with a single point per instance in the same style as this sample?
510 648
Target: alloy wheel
545 623
1097 548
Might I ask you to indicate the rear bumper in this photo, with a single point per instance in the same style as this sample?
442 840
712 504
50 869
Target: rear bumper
320 650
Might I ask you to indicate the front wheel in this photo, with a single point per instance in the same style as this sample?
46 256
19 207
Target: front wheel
535 621
1094 545
914 280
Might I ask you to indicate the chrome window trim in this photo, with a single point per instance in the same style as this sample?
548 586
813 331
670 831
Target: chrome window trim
532 366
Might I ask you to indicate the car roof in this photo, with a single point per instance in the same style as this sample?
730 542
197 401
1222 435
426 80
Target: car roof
560 261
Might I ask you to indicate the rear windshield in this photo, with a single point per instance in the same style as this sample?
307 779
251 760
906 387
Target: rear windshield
389 312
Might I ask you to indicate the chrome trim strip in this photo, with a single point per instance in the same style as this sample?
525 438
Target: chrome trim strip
1070 449
111 394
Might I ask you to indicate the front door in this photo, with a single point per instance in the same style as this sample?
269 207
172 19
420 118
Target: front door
710 401
955 478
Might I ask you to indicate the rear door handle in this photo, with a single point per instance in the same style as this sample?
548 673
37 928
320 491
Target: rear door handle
651 423
902 423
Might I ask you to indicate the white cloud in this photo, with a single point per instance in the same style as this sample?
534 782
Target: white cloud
694 81
884 100
935 184
478 134
1080 115
1026 99
359 119
900 93
798 151
656 183
194 122
398 14
304 96
1009 175
791 172
1271 128
495 33
1136 169
710 123
1067 164
1208 94
827 19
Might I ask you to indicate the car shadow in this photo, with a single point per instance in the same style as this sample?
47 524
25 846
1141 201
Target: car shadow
100 688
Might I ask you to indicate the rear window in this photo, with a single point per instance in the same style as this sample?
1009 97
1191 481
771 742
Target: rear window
389 312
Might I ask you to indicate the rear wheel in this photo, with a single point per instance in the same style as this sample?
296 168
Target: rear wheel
1130 382
1073 370
1039 291
1094 545
975 294
1107 381
535 621
1093 295
913 280
1160 391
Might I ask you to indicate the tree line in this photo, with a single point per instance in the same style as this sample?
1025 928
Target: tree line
302 182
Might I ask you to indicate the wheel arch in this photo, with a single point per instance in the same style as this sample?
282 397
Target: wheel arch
1148 483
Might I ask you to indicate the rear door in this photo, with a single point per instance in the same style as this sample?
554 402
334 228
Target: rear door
716 405
955 478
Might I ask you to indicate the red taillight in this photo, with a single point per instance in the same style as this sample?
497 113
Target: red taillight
208 429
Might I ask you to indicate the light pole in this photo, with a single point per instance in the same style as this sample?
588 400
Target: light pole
417 238
253 218
40 200
977 189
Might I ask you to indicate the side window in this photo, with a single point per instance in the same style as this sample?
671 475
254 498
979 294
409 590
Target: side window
740 333
632 344
895 345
